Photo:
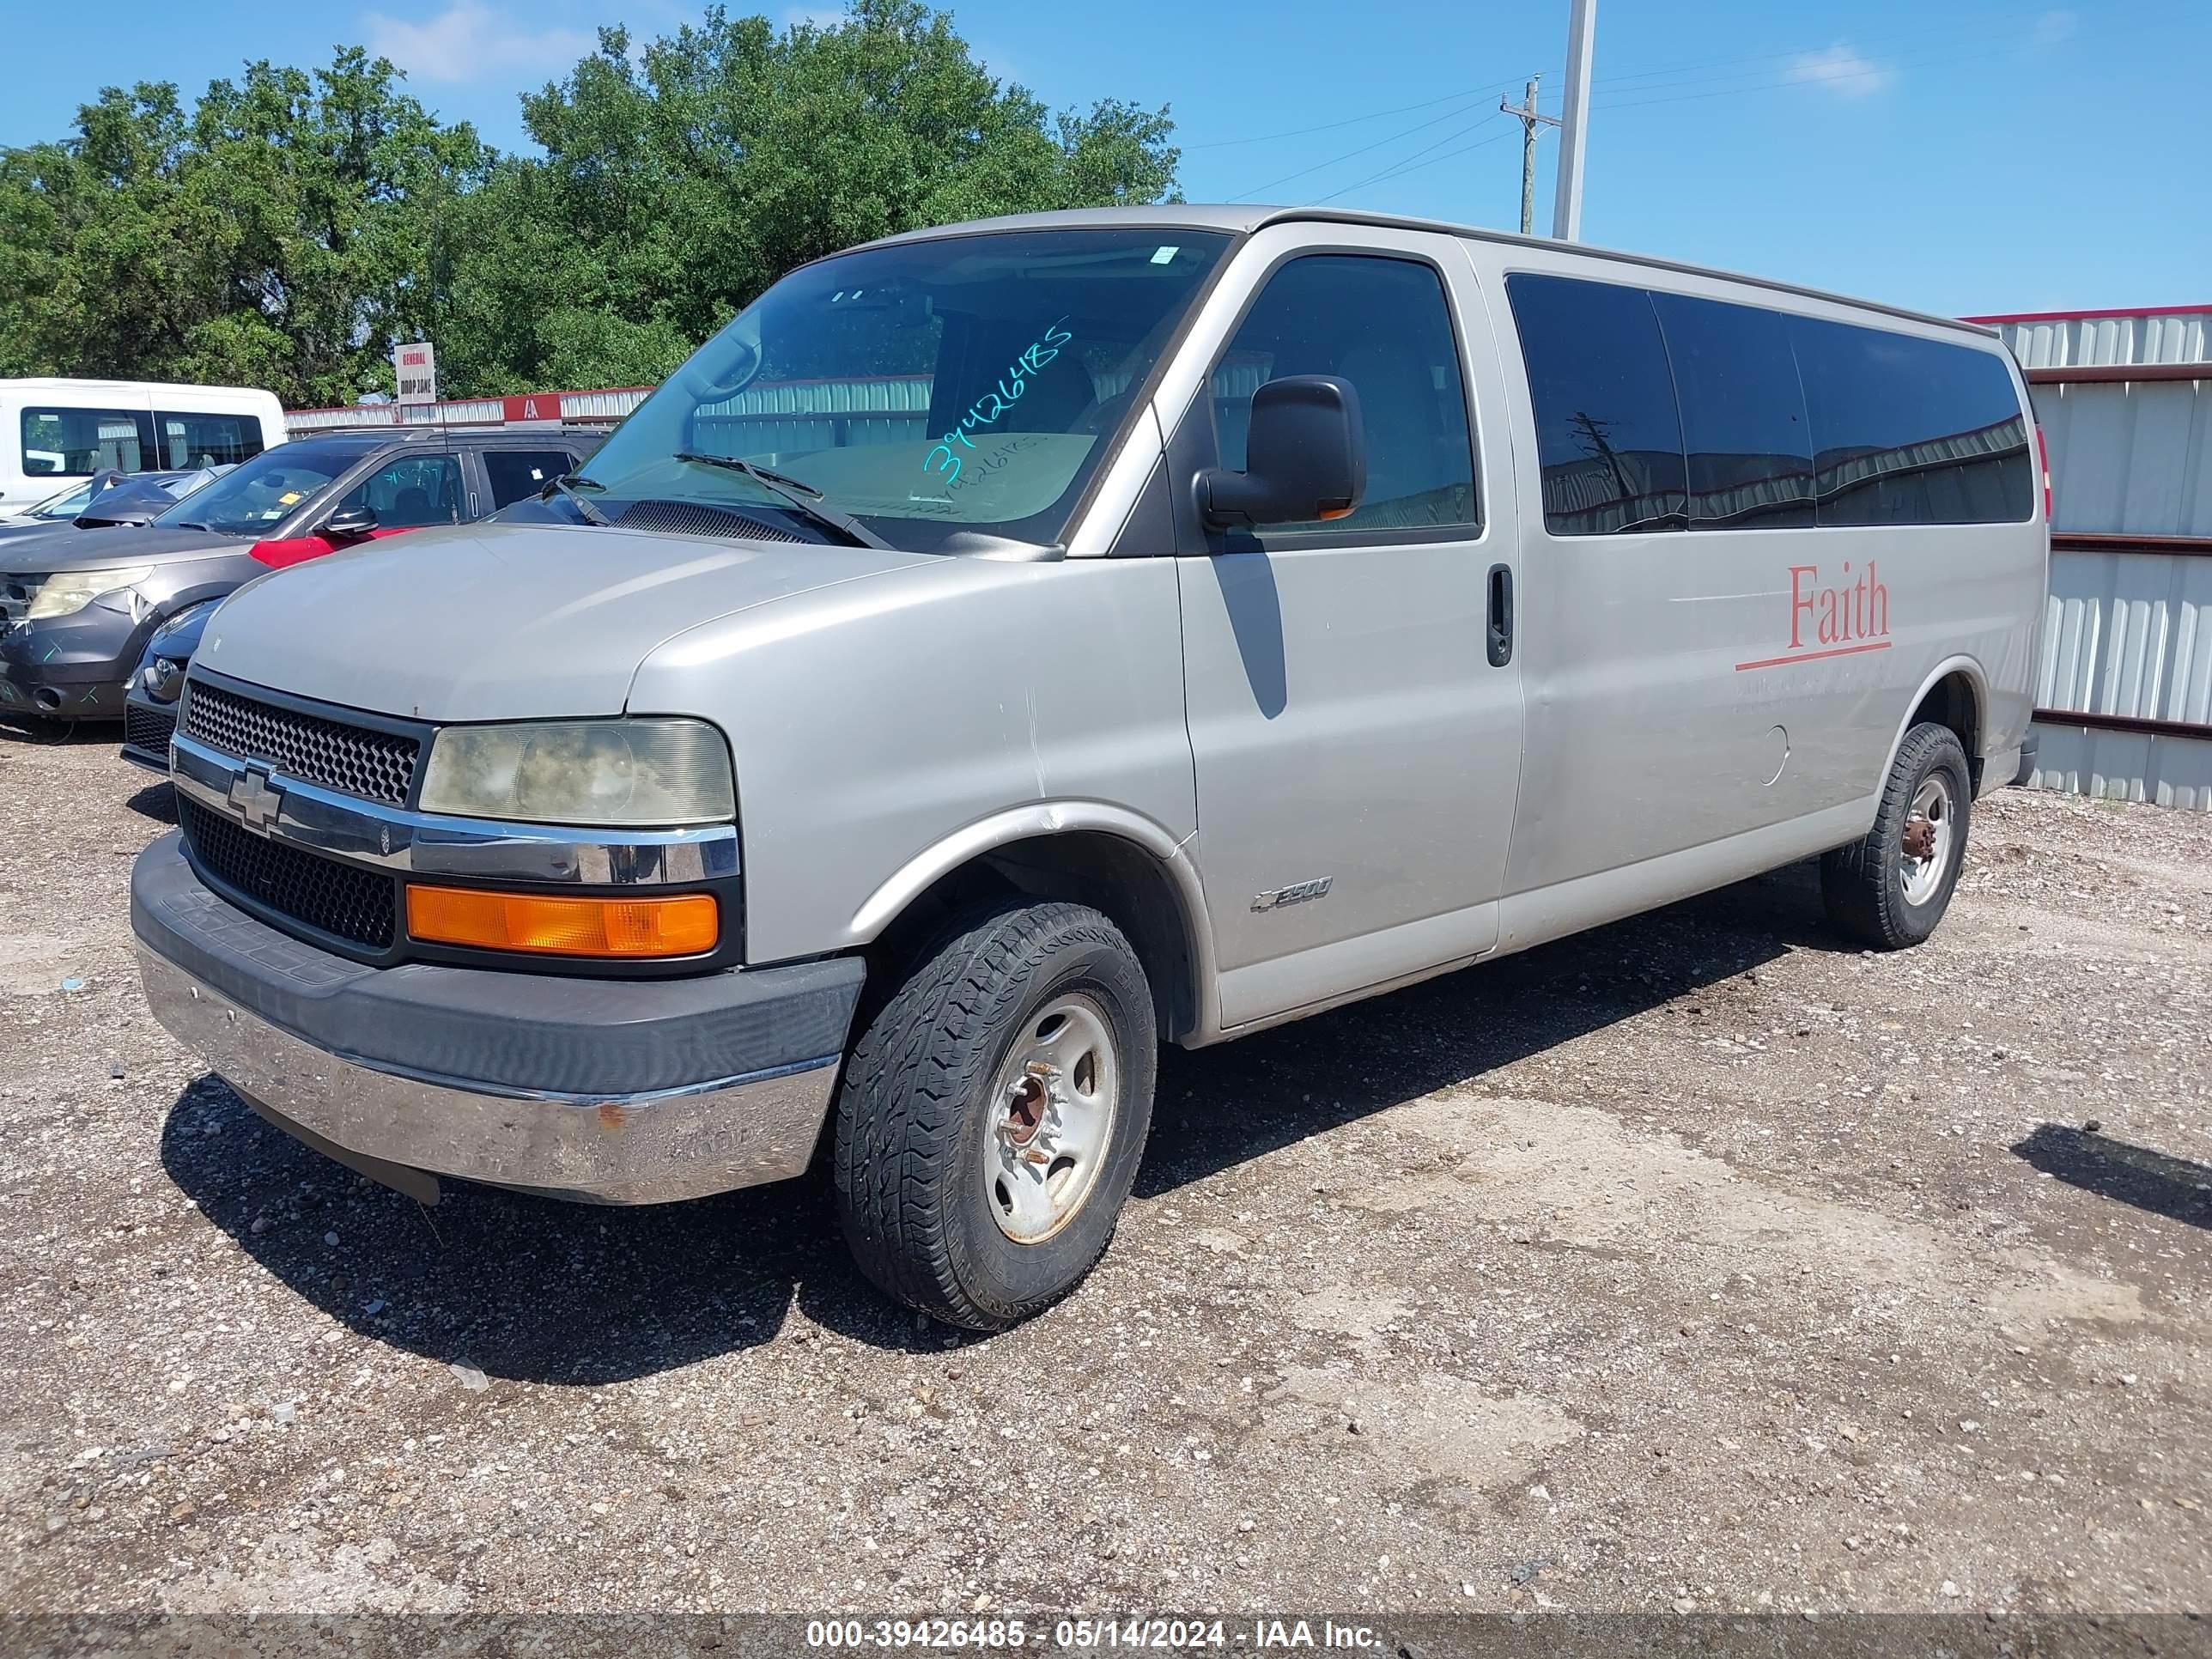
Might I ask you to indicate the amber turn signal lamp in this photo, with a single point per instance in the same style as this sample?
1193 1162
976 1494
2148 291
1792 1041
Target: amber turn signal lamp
686 925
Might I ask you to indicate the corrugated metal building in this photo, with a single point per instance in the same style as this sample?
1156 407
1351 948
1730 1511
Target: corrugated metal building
2124 706
536 408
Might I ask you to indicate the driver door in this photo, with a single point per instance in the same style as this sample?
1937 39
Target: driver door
1356 749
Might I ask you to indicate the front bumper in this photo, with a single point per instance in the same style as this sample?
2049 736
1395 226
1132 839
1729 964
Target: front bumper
613 1091
71 668
147 727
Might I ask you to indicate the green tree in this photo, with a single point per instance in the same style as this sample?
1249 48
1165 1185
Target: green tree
282 235
292 228
679 182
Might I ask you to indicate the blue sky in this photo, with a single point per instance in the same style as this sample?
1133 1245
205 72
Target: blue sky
1966 158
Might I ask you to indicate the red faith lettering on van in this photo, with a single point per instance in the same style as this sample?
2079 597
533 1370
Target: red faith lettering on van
1838 620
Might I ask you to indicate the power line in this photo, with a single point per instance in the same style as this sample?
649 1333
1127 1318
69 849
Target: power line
1617 93
1405 162
1352 120
1398 170
1319 166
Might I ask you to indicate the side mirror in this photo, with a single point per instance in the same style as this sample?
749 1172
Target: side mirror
1305 457
349 522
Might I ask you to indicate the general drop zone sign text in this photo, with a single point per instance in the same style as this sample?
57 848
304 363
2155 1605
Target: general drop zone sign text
418 369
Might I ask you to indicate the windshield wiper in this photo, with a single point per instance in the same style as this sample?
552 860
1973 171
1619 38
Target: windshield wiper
803 498
181 525
568 484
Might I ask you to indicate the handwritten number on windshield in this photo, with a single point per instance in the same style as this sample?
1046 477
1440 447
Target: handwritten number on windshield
992 404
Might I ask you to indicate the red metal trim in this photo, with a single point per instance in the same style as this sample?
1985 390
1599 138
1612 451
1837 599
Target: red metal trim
2087 541
357 408
2100 371
2142 725
2090 316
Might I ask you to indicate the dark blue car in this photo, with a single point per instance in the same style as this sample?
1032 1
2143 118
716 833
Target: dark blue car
149 703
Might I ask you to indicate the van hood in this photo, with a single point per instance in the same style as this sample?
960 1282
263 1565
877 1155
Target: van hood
502 622
64 547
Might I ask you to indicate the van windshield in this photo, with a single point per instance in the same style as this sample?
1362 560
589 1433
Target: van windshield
969 383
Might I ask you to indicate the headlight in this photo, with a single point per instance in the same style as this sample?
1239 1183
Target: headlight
595 772
71 591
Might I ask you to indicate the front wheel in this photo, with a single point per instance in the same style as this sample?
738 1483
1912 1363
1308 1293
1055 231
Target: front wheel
1889 889
991 1116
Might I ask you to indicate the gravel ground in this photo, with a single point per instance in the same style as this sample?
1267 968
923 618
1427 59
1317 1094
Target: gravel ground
1698 1263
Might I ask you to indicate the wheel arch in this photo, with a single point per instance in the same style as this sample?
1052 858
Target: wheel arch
1120 863
1953 693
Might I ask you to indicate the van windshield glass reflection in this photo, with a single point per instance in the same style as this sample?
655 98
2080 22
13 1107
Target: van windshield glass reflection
961 384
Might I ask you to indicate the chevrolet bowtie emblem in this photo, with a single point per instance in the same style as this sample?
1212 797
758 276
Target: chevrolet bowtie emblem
255 801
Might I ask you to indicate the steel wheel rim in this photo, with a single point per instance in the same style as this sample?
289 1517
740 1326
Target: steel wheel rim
1052 1108
1934 806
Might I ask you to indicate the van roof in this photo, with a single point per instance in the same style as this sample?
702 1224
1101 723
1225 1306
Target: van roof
1240 217
70 383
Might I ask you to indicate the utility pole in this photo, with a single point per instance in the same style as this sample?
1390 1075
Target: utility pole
1530 120
1574 126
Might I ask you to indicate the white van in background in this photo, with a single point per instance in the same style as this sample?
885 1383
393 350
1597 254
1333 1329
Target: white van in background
52 430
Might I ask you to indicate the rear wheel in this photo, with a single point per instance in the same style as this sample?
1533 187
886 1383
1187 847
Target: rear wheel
1889 889
991 1116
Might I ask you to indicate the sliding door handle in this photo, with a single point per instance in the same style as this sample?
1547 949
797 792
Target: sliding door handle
1501 615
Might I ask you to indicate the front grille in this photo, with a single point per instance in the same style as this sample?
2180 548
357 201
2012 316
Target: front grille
148 728
689 518
16 593
334 898
357 759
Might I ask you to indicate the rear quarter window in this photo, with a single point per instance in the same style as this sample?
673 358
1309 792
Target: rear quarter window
515 473
1910 430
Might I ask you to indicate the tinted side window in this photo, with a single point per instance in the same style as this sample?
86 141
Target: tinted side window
65 443
206 440
1911 431
515 473
1744 431
1383 325
410 492
1609 434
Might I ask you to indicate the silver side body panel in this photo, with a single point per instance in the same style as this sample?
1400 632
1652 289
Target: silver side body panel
1668 748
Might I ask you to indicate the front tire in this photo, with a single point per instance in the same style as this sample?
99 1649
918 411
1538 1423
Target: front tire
993 1114
1889 889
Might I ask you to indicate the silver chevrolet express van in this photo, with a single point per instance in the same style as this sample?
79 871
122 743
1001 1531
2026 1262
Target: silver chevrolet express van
1006 647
